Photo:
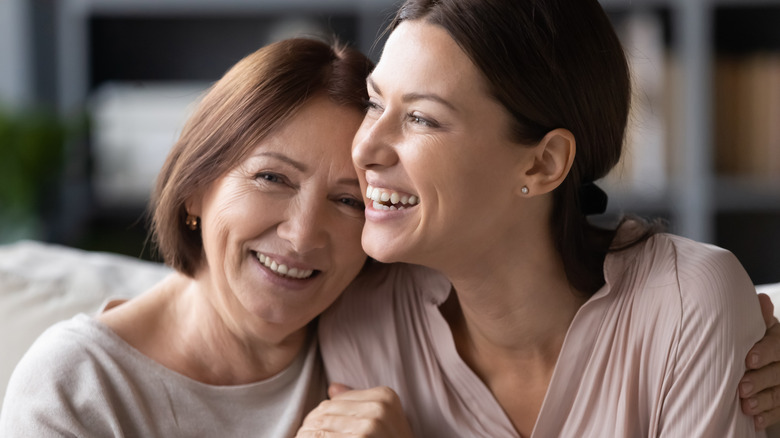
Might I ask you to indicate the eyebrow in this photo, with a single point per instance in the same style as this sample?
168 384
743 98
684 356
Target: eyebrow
410 97
302 167
281 157
349 182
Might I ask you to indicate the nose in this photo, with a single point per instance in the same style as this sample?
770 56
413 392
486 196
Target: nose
374 144
305 226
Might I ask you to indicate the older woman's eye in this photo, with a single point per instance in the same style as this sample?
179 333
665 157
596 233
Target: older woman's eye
270 177
352 202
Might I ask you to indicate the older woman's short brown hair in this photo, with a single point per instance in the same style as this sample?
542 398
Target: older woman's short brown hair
257 95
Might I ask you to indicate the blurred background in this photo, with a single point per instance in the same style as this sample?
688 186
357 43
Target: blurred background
93 93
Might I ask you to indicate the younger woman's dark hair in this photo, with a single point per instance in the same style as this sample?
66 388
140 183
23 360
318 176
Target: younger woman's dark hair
551 64
259 94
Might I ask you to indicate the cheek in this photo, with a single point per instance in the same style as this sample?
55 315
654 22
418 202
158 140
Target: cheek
216 239
245 211
235 217
470 170
440 177
349 249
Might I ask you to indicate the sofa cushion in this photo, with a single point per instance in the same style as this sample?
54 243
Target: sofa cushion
41 284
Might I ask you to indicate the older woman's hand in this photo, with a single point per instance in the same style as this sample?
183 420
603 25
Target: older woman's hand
374 412
760 387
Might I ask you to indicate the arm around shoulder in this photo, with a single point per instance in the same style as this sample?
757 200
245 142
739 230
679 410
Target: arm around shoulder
720 321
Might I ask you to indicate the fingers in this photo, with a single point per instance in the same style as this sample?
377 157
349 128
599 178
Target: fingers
319 434
337 388
761 380
767 350
374 412
352 408
767 419
379 393
761 401
767 310
765 406
324 425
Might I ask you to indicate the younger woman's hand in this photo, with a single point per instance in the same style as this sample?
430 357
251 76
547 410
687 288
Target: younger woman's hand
375 412
759 389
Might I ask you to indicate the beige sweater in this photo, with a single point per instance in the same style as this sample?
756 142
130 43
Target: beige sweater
80 379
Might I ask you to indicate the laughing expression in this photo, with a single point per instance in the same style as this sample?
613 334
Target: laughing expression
434 154
281 231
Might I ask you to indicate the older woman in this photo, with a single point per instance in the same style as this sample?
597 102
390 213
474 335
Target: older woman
259 211
488 122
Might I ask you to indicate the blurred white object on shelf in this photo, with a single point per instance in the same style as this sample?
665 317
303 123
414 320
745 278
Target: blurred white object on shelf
133 128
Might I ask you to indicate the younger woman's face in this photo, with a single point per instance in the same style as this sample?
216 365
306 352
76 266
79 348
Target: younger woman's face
433 154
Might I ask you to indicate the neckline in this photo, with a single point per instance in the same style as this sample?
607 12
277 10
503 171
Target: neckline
568 368
283 378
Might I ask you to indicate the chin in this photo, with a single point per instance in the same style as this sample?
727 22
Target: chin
378 249
291 318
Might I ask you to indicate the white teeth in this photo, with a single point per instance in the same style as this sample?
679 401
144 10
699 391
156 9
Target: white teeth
381 197
283 269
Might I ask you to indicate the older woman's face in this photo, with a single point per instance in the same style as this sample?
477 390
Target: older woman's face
435 153
281 231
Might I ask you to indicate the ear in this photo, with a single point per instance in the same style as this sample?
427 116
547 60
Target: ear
552 161
194 204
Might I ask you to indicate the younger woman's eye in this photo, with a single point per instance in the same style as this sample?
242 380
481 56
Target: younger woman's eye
422 121
371 105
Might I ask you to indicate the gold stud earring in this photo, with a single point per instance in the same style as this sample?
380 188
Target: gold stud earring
524 190
192 222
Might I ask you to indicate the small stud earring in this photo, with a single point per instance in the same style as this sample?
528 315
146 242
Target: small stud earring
524 190
192 222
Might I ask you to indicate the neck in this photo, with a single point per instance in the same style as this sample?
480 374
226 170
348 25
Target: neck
516 302
509 316
179 324
224 349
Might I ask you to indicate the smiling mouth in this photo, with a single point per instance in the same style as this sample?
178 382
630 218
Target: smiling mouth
283 270
385 199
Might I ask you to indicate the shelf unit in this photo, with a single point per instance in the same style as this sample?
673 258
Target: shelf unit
694 196
87 223
697 194
73 17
